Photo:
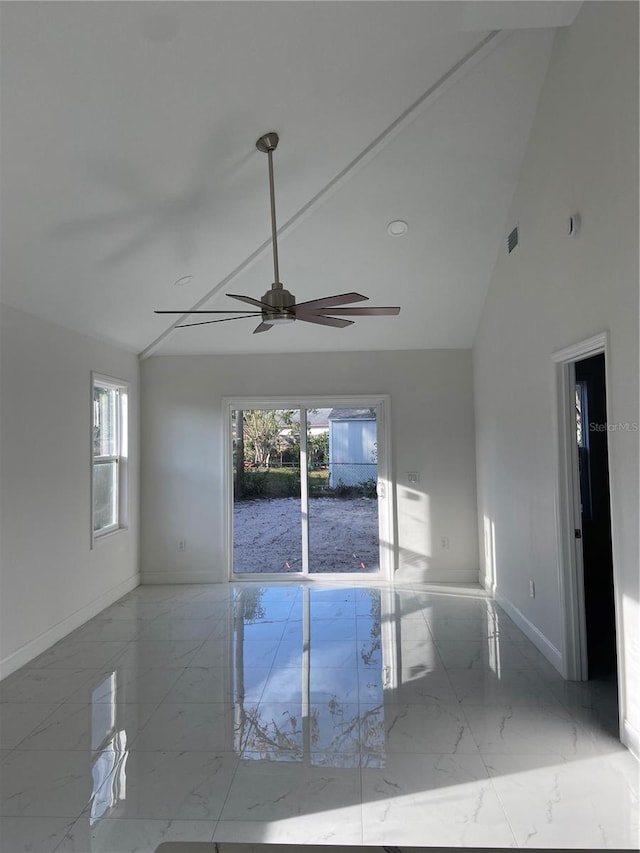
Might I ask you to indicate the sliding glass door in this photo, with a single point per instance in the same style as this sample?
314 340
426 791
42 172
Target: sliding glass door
267 502
307 495
343 493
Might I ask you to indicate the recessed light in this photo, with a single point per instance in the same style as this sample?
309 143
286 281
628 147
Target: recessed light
397 228
184 281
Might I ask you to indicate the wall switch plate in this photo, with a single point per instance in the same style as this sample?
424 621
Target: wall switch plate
413 477
445 543
532 589
182 545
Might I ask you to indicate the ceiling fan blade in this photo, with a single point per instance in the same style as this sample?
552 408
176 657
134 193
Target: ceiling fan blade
208 322
250 300
386 311
230 311
262 327
323 321
340 299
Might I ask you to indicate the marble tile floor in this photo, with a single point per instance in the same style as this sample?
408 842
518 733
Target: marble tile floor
317 714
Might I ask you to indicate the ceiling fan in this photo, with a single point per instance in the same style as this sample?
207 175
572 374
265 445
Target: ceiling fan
278 305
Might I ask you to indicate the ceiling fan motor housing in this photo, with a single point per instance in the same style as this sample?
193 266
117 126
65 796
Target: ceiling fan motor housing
280 300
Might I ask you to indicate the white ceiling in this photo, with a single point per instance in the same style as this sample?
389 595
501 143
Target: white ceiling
128 160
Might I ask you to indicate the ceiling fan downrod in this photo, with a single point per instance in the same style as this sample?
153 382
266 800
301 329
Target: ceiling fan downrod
278 305
277 297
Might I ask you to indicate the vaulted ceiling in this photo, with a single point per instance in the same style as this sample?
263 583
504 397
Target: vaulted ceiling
128 162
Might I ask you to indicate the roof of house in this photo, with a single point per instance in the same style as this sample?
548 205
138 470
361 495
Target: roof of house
318 417
352 415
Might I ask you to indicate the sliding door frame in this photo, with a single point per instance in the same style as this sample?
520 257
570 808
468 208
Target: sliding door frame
386 509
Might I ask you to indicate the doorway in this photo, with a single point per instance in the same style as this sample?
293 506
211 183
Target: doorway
307 488
587 577
595 516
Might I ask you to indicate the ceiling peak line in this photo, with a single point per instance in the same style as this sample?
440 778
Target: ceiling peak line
453 75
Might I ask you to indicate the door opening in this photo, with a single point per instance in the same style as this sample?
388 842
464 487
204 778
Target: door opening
595 517
589 588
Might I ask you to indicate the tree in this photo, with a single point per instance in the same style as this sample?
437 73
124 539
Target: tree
238 452
319 449
262 433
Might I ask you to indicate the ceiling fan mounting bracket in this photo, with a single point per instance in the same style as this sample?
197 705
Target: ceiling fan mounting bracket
268 142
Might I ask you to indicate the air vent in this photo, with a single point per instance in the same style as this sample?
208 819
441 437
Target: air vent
512 240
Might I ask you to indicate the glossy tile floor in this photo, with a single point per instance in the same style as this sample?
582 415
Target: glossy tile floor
316 714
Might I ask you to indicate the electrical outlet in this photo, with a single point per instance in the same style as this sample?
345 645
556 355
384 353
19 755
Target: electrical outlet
413 477
182 545
532 589
445 544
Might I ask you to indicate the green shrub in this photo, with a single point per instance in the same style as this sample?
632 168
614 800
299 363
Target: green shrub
264 483
254 485
270 483
366 489
369 488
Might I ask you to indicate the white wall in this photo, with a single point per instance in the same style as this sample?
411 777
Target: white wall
183 457
554 291
51 581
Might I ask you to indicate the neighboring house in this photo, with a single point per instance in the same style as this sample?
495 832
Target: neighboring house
317 424
353 446
318 421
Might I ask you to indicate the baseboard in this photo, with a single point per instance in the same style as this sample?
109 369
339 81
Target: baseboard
631 738
35 647
180 577
553 655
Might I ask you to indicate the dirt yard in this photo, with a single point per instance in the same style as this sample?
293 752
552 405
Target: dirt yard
343 535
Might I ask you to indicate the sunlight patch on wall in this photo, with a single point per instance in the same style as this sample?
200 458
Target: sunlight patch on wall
490 571
414 534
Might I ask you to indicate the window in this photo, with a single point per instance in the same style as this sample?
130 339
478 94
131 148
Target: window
109 455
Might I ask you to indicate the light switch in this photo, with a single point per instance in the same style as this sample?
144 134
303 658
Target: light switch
413 477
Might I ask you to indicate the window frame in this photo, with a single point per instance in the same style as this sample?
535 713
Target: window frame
122 389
